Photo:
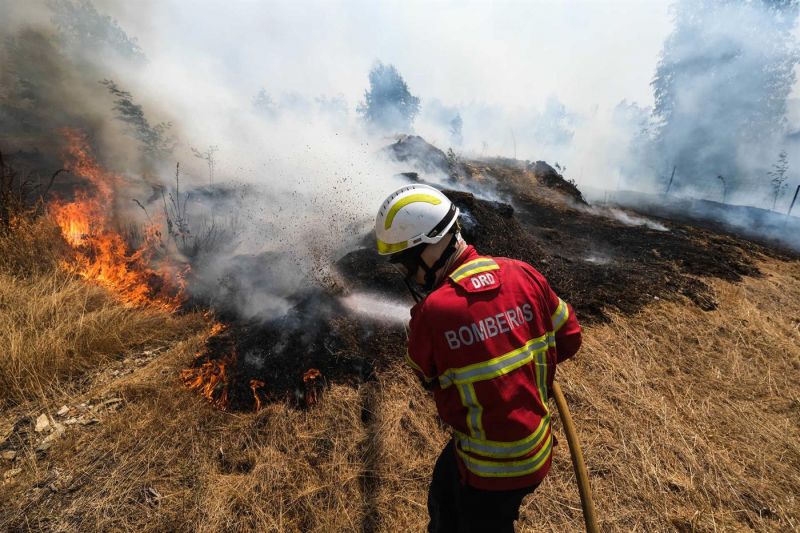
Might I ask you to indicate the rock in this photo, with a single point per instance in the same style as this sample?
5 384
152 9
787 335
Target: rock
88 421
63 411
44 446
42 423
14 472
71 420
58 432
9 455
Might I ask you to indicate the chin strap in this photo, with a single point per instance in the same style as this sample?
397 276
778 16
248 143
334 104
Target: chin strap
419 293
413 288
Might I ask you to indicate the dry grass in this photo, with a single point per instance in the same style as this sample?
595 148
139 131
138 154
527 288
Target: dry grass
54 327
689 421
30 246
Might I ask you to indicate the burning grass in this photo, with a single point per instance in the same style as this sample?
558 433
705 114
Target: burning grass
55 328
99 253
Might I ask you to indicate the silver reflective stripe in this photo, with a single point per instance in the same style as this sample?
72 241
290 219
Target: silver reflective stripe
541 376
477 263
474 410
499 365
561 315
518 448
510 468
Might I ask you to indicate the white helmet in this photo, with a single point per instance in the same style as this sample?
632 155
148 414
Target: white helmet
412 215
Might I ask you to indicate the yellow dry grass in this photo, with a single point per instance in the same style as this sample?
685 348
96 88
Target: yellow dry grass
54 327
688 419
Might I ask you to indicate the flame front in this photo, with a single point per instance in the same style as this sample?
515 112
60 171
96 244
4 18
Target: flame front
255 385
211 380
100 253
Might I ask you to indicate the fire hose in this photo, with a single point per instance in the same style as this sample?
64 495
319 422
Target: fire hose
577 460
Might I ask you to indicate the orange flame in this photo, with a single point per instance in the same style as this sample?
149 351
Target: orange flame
211 380
256 384
100 254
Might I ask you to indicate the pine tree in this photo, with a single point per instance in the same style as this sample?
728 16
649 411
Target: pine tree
388 104
722 83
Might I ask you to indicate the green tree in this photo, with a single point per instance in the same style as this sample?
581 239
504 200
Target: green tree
722 83
388 104
156 141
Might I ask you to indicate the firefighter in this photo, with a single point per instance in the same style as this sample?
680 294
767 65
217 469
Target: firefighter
485 337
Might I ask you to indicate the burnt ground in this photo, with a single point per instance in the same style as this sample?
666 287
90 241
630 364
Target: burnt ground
298 355
592 258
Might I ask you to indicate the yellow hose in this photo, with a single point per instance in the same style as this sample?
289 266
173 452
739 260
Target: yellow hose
577 461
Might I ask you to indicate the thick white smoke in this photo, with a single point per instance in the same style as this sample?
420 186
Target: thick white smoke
269 92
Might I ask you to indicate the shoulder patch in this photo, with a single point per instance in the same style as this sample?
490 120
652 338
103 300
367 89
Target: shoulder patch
478 275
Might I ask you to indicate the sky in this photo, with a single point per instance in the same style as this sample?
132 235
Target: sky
511 53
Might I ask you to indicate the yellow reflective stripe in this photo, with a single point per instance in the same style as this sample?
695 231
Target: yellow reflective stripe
476 266
541 378
497 366
523 467
386 248
474 410
410 199
561 315
505 450
476 271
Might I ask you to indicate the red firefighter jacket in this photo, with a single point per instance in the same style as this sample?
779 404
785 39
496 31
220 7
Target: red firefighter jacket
487 341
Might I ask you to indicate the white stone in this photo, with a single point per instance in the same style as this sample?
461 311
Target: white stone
42 423
57 433
63 411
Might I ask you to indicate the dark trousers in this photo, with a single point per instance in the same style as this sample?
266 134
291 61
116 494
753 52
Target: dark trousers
456 507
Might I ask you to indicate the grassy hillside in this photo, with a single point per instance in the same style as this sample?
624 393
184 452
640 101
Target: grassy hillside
688 418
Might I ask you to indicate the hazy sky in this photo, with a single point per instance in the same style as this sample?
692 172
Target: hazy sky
515 53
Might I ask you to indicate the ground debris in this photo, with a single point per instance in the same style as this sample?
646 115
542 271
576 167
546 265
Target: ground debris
42 423
12 473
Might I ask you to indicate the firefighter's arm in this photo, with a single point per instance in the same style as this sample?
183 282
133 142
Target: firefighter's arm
565 326
562 315
420 351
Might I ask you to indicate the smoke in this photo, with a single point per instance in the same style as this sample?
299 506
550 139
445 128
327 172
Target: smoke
259 103
293 190
721 90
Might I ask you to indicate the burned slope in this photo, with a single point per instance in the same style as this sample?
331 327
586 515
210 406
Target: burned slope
599 263
598 260
513 178
594 261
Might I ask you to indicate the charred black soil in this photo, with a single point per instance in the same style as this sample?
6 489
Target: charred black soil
600 260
